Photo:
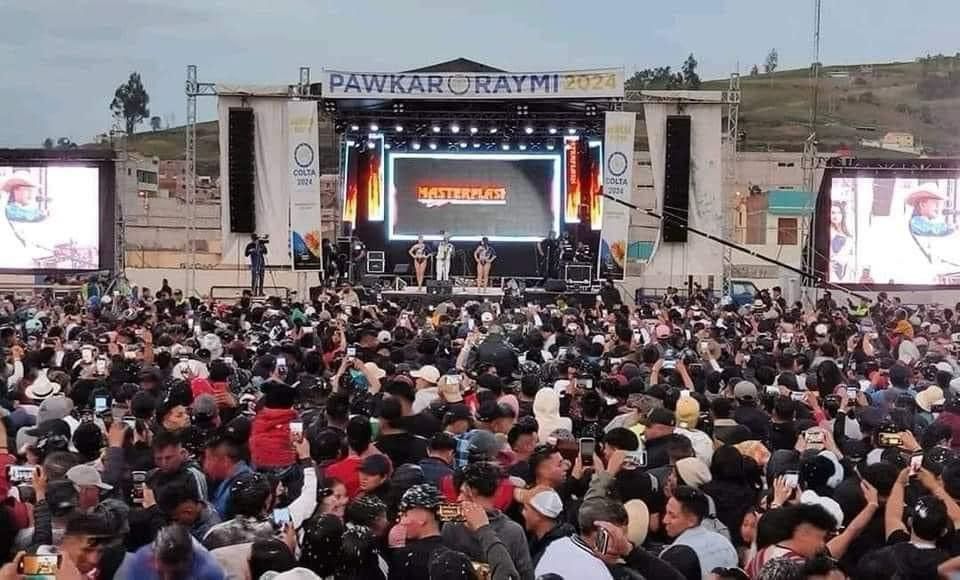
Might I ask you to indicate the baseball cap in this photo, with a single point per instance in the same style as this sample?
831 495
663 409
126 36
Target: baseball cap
662 331
457 413
376 465
547 503
661 416
50 427
486 317
929 397
450 392
424 496
204 406
384 337
428 373
745 390
84 475
492 410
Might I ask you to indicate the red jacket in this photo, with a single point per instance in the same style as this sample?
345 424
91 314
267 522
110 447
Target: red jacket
270 444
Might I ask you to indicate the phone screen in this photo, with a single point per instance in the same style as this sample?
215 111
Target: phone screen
561 352
281 361
101 366
351 351
791 478
87 355
916 462
39 565
588 446
281 517
296 427
99 404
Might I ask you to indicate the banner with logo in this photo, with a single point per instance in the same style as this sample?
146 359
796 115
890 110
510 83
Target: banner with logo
580 84
619 130
304 183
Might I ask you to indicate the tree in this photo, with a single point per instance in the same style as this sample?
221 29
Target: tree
754 71
691 80
130 103
48 143
773 60
156 123
66 143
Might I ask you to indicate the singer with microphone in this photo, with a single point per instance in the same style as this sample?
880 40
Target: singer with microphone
256 252
444 257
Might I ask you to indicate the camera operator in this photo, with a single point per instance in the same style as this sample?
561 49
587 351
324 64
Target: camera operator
256 251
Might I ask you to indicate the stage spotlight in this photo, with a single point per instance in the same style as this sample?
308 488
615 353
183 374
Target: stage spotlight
552 130
374 127
463 144
354 127
505 145
473 130
493 130
371 144
398 107
433 145
436 128
387 146
415 145
572 131
398 128
330 106
522 146
351 142
476 144
528 130
551 144
454 128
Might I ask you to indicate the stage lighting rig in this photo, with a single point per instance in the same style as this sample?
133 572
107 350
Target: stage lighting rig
374 127
398 128
551 144
354 127
528 130
493 130
473 129
330 106
398 107
552 130
436 128
433 145
454 128
415 145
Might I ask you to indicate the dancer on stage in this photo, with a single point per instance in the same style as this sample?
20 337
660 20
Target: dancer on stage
420 253
484 255
444 257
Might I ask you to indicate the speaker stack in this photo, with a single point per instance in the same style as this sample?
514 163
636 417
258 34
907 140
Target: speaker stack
241 162
676 191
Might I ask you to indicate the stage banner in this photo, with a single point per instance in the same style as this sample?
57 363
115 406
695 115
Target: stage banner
618 183
580 84
304 184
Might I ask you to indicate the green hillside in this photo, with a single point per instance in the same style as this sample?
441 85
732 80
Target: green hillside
857 102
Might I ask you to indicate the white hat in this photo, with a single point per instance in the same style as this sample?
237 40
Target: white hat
810 497
85 475
428 373
376 371
42 387
944 366
547 503
383 337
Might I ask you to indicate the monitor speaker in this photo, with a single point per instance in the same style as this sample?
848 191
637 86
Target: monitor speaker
376 262
440 287
240 160
676 190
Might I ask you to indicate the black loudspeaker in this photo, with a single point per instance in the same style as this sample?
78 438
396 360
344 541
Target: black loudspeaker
555 286
440 287
376 262
241 162
676 189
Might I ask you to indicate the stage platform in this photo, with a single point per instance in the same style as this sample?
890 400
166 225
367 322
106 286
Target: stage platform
466 293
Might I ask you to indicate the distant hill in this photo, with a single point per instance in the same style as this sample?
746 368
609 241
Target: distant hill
857 102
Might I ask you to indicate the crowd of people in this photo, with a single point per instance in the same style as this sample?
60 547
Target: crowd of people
153 435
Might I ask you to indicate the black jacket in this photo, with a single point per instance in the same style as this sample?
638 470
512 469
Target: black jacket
538 547
754 419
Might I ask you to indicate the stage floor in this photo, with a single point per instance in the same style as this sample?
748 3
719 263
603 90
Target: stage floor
458 292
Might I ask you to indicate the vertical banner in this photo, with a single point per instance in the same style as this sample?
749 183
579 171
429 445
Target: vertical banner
304 172
571 172
349 176
617 183
595 186
374 177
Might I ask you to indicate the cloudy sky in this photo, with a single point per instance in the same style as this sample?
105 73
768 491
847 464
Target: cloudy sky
61 60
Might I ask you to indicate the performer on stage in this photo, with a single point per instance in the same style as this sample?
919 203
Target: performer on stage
256 251
484 255
420 253
444 257
548 251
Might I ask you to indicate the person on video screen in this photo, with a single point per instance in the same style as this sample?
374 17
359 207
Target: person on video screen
24 202
484 255
927 219
419 252
841 242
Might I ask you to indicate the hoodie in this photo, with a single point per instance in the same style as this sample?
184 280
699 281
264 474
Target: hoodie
270 444
546 409
457 537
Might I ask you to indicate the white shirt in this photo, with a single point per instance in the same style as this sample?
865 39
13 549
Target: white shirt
567 559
